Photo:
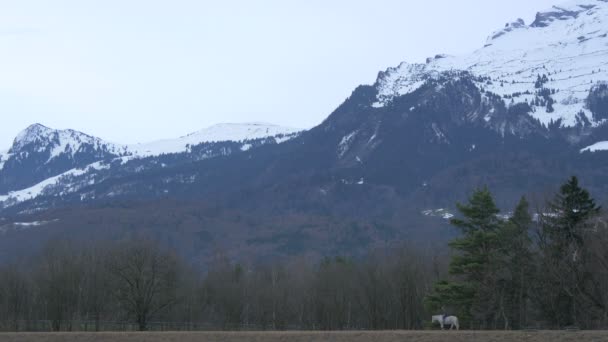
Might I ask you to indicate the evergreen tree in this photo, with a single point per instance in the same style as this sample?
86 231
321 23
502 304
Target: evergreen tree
479 227
474 267
569 213
518 265
564 228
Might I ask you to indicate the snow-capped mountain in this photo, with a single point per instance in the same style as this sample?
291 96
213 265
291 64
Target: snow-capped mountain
39 152
520 115
552 64
216 133
541 86
57 143
44 160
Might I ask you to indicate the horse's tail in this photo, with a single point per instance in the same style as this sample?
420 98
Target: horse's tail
457 324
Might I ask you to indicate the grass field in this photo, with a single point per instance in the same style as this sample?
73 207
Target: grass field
354 336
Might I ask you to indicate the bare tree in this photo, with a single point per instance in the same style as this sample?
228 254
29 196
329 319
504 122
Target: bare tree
411 284
144 279
59 279
14 294
96 299
226 291
334 294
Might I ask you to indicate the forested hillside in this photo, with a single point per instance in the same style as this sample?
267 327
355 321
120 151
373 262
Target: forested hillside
495 275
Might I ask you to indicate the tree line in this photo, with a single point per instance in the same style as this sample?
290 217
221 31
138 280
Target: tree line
139 282
547 270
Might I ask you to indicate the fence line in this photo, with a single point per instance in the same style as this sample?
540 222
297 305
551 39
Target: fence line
91 325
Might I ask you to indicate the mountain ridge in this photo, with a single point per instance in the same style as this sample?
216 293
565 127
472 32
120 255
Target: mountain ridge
419 139
563 57
37 147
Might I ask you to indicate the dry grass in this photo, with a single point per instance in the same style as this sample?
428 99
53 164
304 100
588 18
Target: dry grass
353 336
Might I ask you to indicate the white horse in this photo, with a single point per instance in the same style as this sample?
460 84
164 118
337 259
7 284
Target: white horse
452 321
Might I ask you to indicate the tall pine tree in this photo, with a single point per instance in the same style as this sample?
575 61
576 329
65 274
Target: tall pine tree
518 266
473 268
564 228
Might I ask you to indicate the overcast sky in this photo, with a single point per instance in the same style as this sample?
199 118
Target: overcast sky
139 70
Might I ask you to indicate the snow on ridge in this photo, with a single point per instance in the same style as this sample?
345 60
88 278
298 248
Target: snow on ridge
61 141
38 189
564 11
45 136
216 133
572 50
29 135
599 146
403 79
70 141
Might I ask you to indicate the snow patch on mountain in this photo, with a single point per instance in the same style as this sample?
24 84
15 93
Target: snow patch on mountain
401 80
568 44
599 146
38 189
216 133
32 192
442 213
21 226
33 223
345 143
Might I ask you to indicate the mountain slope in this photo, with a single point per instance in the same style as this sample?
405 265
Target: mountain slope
552 64
43 160
216 133
516 116
39 152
